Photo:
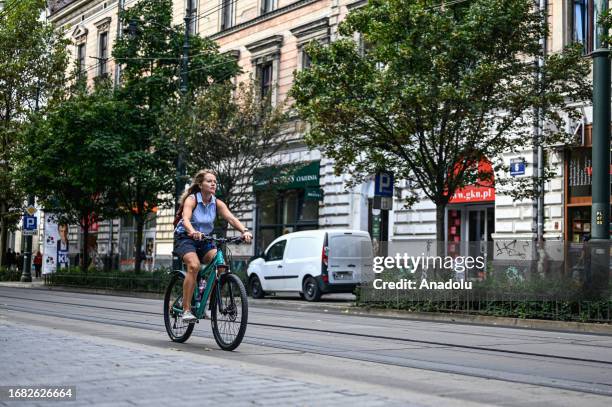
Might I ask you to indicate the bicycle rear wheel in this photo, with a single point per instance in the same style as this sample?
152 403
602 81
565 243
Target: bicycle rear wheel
230 321
178 330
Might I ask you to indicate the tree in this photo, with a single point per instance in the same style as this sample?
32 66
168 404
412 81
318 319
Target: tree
440 88
32 65
233 131
70 157
150 58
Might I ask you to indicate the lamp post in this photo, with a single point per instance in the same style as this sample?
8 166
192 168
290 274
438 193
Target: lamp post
600 211
184 87
26 275
597 279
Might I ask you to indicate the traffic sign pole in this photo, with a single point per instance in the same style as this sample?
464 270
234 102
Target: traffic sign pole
26 275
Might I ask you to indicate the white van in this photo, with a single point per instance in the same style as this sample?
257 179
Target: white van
312 262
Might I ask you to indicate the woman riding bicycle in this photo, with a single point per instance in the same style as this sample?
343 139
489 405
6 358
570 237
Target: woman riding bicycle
199 208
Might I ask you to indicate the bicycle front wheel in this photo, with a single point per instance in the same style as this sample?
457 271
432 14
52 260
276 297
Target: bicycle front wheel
178 330
229 321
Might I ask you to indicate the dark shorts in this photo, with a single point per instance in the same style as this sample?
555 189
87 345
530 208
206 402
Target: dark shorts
183 244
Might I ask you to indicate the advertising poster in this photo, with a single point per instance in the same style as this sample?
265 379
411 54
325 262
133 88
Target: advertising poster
63 260
50 244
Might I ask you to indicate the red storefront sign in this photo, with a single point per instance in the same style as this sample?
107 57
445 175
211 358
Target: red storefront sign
483 191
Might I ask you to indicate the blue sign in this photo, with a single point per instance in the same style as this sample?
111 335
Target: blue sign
383 184
517 167
29 222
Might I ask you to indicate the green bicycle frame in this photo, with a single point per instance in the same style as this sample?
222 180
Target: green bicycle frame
206 272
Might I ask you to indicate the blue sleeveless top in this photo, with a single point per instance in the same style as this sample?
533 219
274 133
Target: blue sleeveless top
203 216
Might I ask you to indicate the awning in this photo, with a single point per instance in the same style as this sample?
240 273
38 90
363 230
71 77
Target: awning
290 176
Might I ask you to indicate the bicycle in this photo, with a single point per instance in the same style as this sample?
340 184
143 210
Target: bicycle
228 301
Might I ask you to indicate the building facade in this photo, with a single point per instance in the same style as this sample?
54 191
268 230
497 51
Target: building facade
267 37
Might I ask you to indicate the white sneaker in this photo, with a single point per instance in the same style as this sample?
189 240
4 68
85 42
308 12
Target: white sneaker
188 317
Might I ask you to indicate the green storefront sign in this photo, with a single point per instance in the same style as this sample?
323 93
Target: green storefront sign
292 176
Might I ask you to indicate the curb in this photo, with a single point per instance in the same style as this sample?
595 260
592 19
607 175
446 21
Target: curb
541 324
40 286
467 319
349 308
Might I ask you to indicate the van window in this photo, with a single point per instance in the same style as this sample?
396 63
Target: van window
302 247
276 251
350 246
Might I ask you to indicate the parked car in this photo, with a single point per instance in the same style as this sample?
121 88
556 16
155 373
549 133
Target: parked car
312 262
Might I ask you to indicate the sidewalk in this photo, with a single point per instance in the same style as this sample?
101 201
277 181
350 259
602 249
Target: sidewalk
110 375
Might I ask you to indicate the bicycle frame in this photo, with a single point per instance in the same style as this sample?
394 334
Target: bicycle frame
206 272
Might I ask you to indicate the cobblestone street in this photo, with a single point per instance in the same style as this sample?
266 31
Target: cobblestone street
109 375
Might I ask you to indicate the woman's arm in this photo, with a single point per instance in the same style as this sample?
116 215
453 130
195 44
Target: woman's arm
232 220
188 207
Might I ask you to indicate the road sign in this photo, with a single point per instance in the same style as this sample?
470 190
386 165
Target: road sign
517 166
31 210
29 225
383 184
383 202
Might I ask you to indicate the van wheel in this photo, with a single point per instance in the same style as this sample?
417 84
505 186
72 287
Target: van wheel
311 290
255 286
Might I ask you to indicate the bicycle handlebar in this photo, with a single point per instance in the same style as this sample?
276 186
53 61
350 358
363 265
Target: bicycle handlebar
222 240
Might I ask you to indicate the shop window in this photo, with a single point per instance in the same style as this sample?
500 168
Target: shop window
579 223
310 211
267 209
290 207
265 236
579 172
282 212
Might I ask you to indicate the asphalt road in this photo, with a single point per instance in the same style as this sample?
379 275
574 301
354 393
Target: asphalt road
427 363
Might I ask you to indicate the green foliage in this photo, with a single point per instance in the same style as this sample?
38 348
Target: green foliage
9 275
154 282
69 158
32 64
437 89
231 130
150 60
151 56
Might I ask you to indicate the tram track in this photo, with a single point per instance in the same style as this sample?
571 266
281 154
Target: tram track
327 331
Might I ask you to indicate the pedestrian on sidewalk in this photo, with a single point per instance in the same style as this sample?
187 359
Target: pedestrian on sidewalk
10 258
38 263
19 262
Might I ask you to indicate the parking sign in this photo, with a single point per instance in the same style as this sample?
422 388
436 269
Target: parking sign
383 184
29 225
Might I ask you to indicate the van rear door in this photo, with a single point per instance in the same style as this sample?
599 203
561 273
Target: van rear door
350 256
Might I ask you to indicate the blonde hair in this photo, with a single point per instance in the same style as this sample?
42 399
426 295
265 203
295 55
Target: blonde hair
195 183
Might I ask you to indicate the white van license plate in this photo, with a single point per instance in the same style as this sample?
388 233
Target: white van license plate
343 275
